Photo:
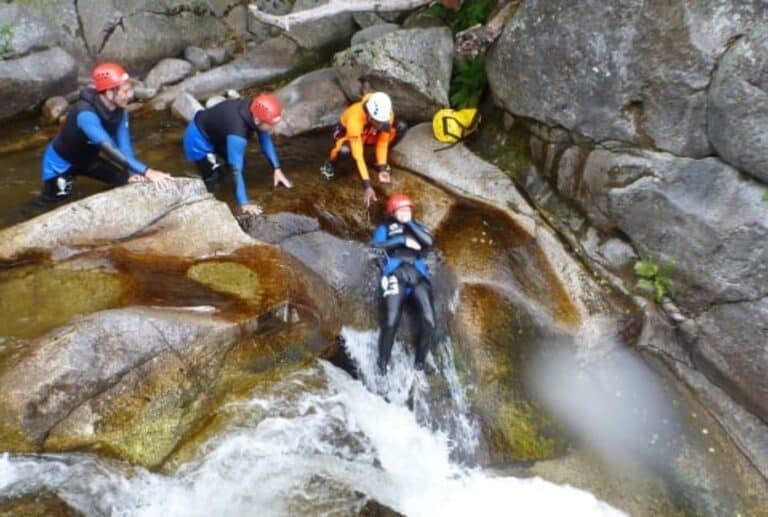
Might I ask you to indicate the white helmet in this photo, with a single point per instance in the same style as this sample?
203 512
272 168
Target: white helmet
379 106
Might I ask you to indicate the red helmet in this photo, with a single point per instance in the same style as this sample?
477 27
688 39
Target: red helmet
266 108
107 76
396 201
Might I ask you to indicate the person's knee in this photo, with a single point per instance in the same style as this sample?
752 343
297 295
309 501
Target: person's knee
390 320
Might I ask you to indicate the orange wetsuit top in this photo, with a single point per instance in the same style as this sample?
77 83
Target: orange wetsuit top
359 131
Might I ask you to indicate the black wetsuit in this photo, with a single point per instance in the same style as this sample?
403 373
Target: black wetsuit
222 132
93 141
404 274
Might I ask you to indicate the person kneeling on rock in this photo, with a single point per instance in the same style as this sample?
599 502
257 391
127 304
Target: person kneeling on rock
370 121
95 139
404 275
219 135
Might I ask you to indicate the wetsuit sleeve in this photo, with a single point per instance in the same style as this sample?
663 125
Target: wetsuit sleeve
89 123
382 143
268 148
126 146
236 159
380 240
420 233
382 148
354 135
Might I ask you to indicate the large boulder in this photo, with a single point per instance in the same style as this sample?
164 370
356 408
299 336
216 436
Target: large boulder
628 71
681 210
313 101
27 81
373 32
24 31
168 71
63 370
733 350
412 66
133 382
738 99
266 62
139 33
64 16
142 206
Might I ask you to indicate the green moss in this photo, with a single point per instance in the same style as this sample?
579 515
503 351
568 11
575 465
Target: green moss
36 505
35 299
141 420
13 440
529 433
229 278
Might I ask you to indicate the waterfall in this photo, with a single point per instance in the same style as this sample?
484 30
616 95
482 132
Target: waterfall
317 442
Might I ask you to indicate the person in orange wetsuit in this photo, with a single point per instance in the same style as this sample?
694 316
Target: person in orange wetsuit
370 121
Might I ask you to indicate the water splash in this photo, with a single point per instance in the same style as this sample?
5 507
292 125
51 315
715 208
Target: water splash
316 442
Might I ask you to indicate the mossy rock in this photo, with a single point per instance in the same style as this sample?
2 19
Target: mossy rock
37 505
13 440
497 338
528 433
235 387
35 299
140 420
230 278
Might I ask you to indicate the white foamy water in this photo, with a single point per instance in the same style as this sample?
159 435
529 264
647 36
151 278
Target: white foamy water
310 446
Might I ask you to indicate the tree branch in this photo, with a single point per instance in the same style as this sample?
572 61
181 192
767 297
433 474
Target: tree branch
476 39
334 7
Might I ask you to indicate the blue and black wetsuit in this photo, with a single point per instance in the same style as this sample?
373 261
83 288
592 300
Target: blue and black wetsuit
222 133
93 141
404 274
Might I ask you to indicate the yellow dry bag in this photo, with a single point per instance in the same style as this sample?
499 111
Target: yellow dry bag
453 126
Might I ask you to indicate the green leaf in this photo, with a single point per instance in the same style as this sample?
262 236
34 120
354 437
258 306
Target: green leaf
645 286
659 291
646 269
765 195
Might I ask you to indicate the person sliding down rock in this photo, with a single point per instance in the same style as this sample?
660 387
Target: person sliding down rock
95 140
370 121
404 275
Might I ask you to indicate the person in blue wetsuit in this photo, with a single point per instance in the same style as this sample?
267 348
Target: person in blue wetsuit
95 139
404 274
222 133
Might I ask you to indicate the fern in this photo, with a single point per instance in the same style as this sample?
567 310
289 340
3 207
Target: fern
468 82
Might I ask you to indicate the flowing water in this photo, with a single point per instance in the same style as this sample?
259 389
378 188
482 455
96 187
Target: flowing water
317 442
